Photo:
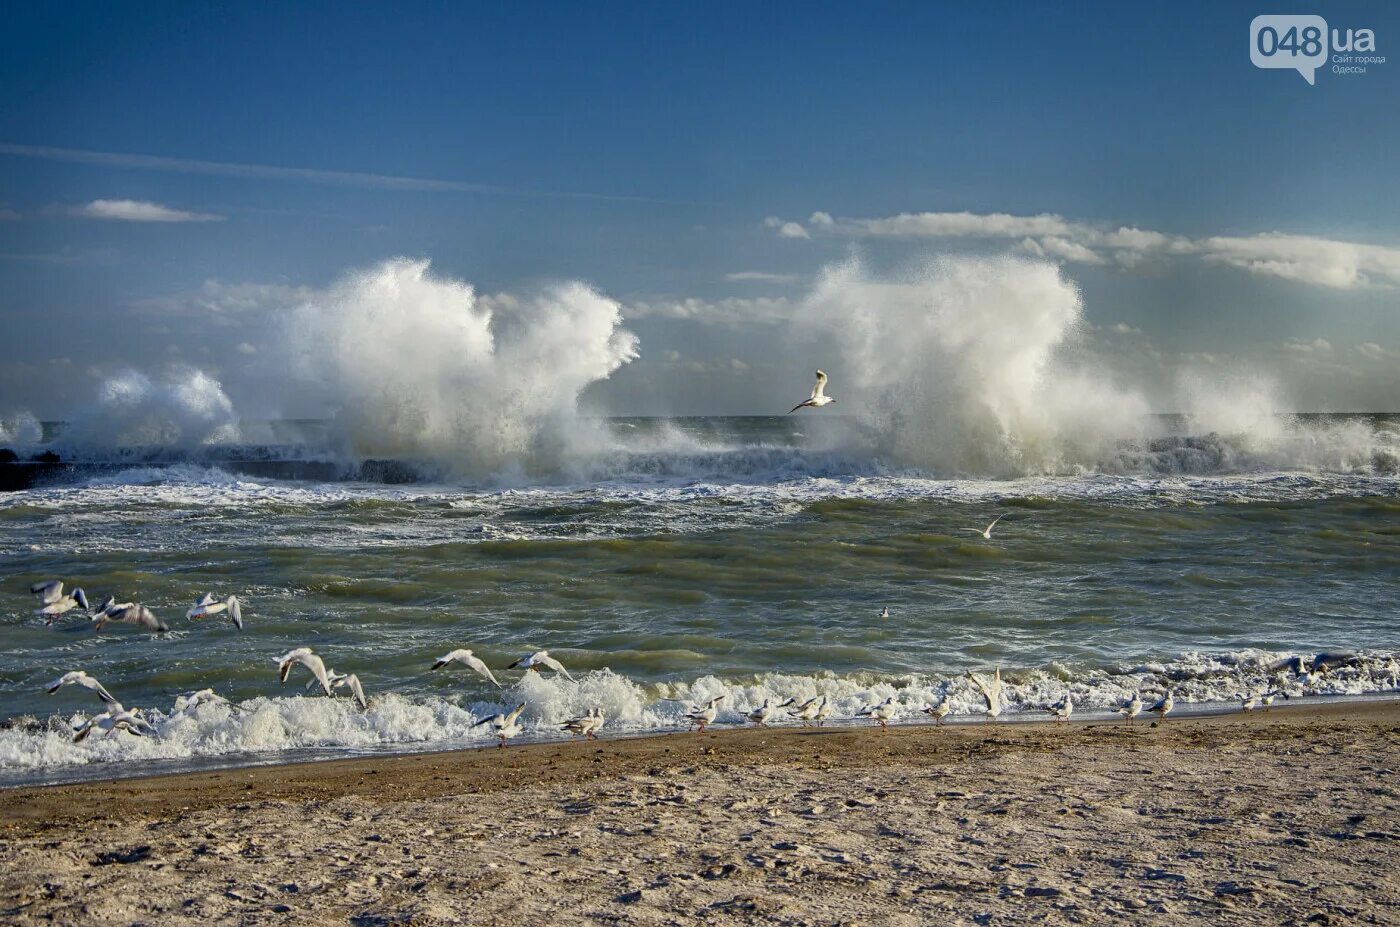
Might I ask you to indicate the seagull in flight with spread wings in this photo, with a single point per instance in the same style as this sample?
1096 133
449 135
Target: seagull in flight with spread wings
818 398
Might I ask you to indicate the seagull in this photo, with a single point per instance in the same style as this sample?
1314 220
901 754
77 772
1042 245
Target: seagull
706 715
760 714
823 711
208 605
991 691
818 398
189 701
1131 708
1164 705
881 714
1062 709
128 613
806 712
586 726
504 724
80 678
1266 701
54 603
307 658
885 612
468 659
115 718
535 660
987 531
344 681
937 712
1248 702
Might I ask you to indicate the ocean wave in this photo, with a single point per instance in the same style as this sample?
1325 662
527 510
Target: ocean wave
284 728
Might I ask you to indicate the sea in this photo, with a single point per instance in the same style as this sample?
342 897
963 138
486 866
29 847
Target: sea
667 561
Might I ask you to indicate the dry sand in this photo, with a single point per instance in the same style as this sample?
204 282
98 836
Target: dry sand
1286 818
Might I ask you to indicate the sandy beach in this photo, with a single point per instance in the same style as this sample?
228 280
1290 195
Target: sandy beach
1287 818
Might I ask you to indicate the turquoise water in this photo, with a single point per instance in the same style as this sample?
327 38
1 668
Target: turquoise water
740 560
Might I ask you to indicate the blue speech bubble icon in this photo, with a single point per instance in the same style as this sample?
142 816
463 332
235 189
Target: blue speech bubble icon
1298 43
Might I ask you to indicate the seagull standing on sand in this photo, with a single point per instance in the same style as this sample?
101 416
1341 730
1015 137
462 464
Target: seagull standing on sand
307 658
1248 701
469 660
128 613
208 605
1131 708
882 714
987 531
938 711
706 715
586 726
54 603
1164 705
506 725
760 714
537 659
990 689
818 398
1061 710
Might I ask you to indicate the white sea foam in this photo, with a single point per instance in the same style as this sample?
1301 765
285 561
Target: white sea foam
259 727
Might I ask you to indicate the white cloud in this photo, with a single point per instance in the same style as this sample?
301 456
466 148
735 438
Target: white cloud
140 211
218 298
1309 259
244 347
1371 350
1302 346
758 276
732 311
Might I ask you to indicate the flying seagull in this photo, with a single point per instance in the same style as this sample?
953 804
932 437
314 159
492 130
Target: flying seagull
128 613
987 531
307 658
115 718
467 659
537 659
344 681
208 605
991 693
54 603
818 398
80 678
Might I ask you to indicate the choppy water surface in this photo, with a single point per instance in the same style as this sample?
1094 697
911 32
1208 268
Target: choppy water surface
745 564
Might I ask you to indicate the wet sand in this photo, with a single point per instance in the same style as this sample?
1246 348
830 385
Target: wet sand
1291 817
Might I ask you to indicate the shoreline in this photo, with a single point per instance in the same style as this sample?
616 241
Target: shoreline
1289 817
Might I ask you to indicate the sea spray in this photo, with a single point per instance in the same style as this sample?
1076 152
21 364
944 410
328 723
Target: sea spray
959 367
421 368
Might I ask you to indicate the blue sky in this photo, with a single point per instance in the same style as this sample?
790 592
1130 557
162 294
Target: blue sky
640 148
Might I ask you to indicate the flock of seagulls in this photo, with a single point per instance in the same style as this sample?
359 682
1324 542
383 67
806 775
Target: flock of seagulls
54 603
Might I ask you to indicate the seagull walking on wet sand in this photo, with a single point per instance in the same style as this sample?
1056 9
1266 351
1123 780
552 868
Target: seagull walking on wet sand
128 613
467 659
1061 710
991 691
1248 701
1164 705
761 714
882 714
307 658
53 603
818 398
343 681
705 716
937 711
586 726
208 605
506 724
1131 708
537 659
987 531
